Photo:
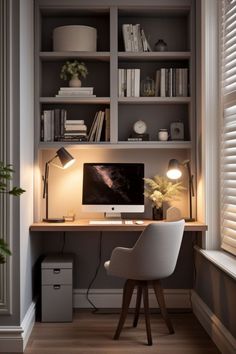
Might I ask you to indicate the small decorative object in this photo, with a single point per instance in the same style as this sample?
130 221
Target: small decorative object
74 71
140 127
161 46
148 87
160 189
75 38
177 131
173 214
163 134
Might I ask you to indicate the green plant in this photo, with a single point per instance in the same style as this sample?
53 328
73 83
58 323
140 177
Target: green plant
6 173
160 189
69 69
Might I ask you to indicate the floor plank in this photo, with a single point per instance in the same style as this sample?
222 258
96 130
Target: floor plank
92 333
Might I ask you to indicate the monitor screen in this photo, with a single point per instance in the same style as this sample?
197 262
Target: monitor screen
113 187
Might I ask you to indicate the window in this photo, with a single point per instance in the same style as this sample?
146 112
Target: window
228 140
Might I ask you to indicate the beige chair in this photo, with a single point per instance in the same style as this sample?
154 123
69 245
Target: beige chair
152 258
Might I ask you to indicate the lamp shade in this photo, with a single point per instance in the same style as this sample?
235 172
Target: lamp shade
65 157
174 171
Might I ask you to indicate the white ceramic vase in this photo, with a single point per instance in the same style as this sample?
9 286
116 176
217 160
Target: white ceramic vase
75 81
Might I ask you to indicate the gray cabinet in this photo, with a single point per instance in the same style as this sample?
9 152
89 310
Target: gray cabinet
57 286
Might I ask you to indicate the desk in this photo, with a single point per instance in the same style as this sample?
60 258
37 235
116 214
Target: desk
83 225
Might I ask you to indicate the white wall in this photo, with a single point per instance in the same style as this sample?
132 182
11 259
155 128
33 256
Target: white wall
26 148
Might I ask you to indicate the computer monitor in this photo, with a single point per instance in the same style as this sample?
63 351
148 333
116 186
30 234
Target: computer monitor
113 188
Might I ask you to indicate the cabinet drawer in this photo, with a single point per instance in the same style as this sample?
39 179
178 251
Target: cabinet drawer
56 276
56 303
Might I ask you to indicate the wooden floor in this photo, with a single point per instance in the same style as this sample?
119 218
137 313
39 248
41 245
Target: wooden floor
92 333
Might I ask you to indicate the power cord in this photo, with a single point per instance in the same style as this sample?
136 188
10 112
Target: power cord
95 309
63 242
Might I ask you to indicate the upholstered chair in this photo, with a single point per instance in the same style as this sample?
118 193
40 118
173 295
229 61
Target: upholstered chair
152 258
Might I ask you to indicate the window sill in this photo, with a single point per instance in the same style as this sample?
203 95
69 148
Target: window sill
223 260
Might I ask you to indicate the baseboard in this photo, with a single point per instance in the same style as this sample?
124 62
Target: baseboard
112 298
14 338
214 327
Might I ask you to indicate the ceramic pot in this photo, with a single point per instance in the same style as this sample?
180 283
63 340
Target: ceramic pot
75 81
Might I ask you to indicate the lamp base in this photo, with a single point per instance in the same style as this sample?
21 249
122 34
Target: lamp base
189 219
54 220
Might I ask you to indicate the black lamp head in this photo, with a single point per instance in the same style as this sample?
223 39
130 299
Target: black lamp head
174 171
65 157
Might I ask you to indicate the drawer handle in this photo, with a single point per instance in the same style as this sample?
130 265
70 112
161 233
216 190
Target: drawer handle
56 271
56 287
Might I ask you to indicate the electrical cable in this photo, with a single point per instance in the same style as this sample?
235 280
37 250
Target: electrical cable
63 242
95 309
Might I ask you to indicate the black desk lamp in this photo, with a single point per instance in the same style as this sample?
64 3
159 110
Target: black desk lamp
66 160
174 172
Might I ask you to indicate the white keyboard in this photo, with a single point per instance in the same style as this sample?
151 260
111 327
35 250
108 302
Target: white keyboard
105 222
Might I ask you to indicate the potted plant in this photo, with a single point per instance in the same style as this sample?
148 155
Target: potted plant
160 189
6 172
74 71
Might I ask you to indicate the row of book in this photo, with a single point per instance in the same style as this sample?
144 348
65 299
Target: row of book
75 92
100 128
129 82
172 82
134 38
56 127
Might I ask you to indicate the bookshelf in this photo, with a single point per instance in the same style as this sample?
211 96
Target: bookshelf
171 21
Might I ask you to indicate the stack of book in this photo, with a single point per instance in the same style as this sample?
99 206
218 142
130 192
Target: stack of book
75 92
52 125
75 130
171 82
129 82
135 39
100 128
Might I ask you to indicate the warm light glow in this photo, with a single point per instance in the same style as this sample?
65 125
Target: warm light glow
174 173
68 164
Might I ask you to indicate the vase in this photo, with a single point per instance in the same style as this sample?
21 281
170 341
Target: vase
75 81
157 213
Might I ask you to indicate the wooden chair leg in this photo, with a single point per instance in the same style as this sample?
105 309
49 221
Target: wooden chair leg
161 301
138 303
127 294
146 312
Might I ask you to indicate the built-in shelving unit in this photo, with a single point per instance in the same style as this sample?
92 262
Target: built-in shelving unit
173 23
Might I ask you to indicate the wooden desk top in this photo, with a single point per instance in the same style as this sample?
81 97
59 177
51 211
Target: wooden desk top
83 225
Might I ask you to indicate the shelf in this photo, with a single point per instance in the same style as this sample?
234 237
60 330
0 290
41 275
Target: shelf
153 56
89 56
75 100
154 100
119 145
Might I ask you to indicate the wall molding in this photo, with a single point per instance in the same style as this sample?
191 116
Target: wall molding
213 326
112 298
13 339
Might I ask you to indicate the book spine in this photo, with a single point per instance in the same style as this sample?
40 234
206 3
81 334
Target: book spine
163 83
136 82
107 122
126 37
47 125
157 83
128 83
76 121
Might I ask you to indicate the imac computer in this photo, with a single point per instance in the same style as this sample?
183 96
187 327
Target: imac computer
113 188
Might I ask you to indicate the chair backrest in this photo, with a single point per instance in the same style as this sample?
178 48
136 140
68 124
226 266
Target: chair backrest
156 251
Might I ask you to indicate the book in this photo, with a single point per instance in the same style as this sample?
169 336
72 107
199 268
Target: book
126 37
47 125
107 124
163 82
93 128
128 83
77 89
76 127
99 126
74 121
136 88
157 83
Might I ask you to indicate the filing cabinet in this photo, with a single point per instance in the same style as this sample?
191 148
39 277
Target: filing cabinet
57 285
